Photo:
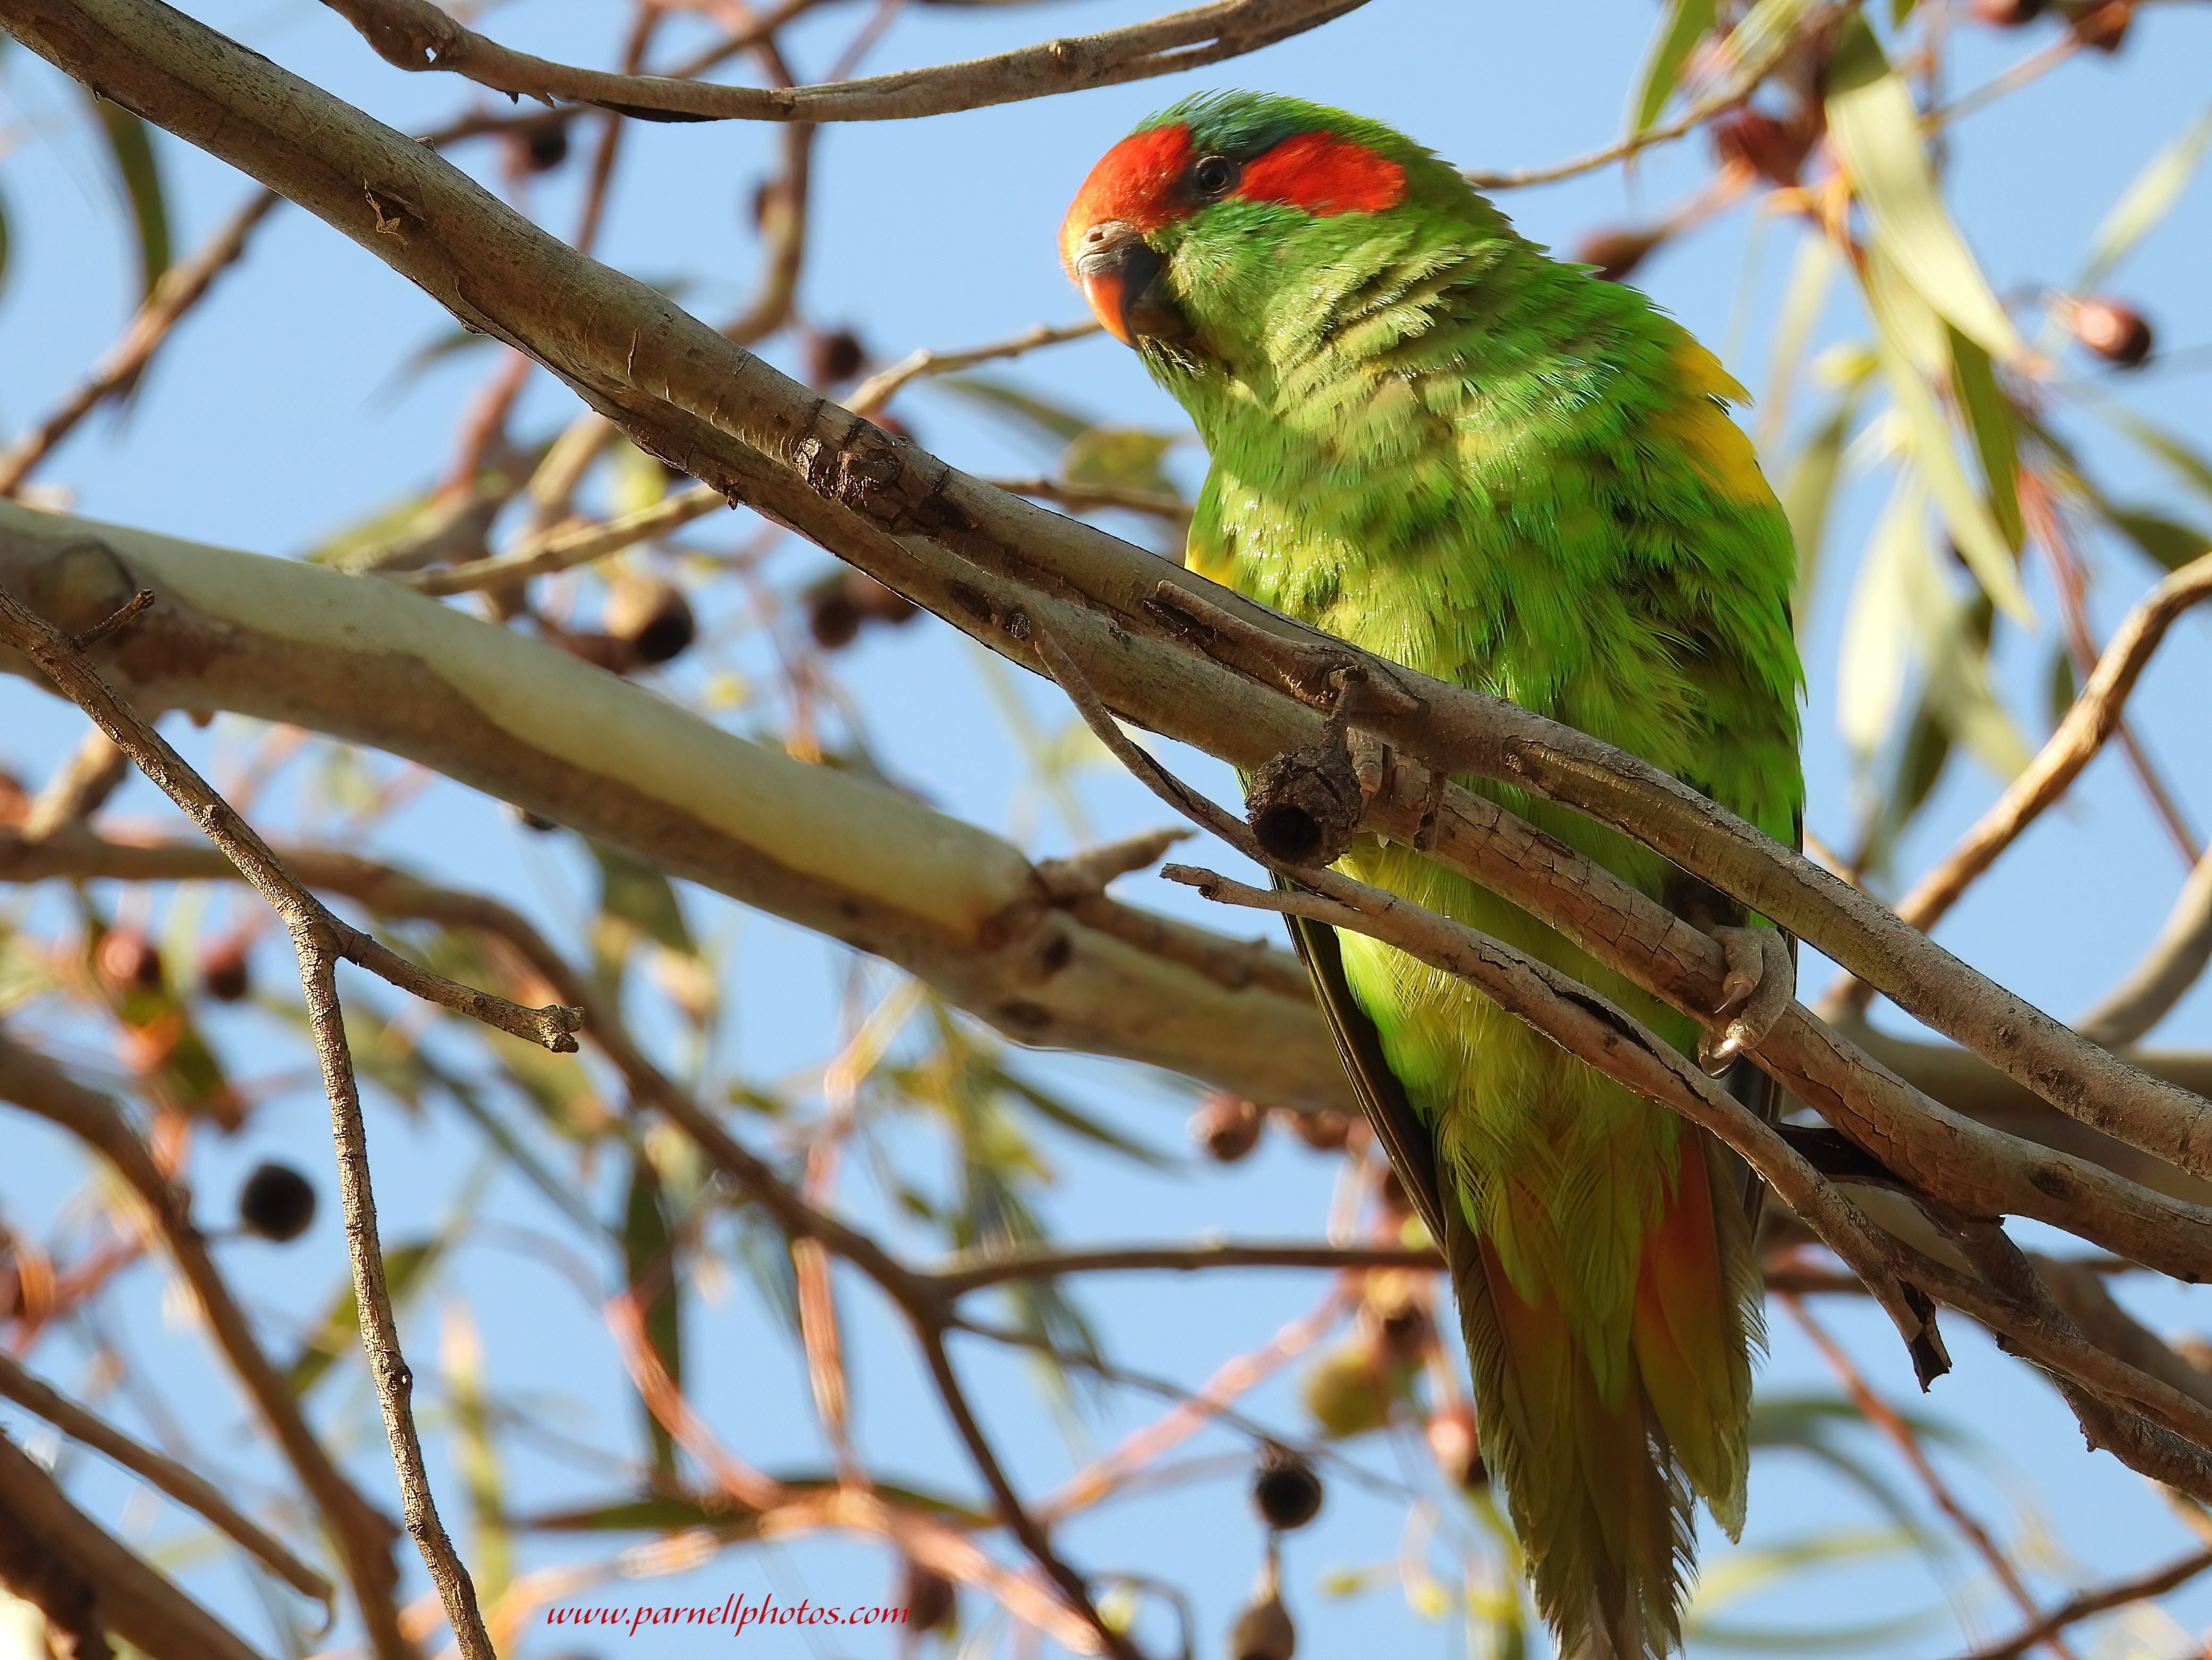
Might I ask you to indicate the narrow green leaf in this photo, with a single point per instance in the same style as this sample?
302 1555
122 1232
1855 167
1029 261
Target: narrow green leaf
1812 273
2145 202
1877 633
404 1268
647 1262
1041 417
461 1358
1807 492
1876 132
1989 415
1900 315
2186 463
2059 689
1954 637
1686 23
642 897
131 148
1753 45
1899 11
1079 1124
2171 543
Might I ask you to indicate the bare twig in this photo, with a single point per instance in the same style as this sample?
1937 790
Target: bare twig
192 1491
958 1280
872 393
1900 1435
2174 963
41 1529
379 1330
1099 498
2088 723
2142 1588
363 1534
320 940
543 555
181 289
414 34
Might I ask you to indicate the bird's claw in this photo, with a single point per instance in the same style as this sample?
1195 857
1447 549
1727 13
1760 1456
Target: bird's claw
1760 983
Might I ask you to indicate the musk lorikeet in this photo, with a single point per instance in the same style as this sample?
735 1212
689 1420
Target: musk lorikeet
1433 440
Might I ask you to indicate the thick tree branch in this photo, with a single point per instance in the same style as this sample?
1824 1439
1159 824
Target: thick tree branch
977 558
414 34
1041 954
40 1528
363 1534
189 1489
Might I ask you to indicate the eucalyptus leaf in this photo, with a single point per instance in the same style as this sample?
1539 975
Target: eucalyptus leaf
1876 133
138 172
2145 202
1684 24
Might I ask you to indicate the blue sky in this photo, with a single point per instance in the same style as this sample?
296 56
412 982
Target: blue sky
271 421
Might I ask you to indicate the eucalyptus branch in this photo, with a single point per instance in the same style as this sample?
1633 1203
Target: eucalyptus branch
414 34
957 1279
93 1583
2089 721
543 553
977 559
310 924
363 1534
872 393
180 288
192 1491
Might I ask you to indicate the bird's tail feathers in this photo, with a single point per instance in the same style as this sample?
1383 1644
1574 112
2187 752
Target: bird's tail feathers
1600 1490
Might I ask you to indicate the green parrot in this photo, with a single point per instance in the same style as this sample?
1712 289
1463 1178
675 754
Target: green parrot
1432 438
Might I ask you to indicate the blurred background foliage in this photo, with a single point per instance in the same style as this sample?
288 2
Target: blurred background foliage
1976 482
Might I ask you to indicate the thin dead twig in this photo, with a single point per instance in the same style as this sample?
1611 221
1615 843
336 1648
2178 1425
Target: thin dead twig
872 393
2157 1583
364 1534
1886 1418
181 289
320 940
543 555
2092 718
379 1330
192 1491
957 1280
414 34
2174 963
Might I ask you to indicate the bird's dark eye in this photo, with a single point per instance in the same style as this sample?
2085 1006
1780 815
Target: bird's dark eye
1213 175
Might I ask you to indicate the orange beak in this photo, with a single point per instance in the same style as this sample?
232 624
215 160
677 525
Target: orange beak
1119 273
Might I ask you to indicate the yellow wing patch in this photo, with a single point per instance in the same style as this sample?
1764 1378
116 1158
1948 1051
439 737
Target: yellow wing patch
1700 423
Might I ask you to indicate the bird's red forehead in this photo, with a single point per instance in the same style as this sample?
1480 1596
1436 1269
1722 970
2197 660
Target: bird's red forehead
1131 183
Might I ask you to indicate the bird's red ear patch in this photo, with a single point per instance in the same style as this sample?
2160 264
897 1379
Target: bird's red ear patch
1131 184
1322 174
